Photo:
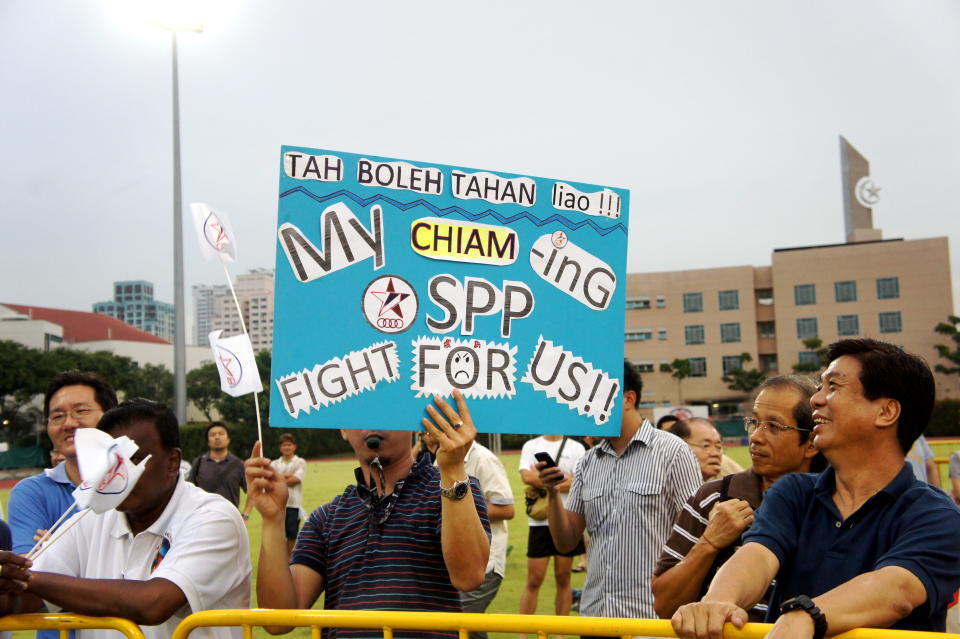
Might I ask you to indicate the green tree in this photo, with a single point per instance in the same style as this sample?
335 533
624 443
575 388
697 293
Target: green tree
741 379
152 381
949 353
813 344
203 388
679 369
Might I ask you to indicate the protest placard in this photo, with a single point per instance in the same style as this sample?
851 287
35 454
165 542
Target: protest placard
398 280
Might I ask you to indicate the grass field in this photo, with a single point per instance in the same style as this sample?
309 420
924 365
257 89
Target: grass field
328 478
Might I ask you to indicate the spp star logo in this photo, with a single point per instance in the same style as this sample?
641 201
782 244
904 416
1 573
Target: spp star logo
215 233
390 304
231 365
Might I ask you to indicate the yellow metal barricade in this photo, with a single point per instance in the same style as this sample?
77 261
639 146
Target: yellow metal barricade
541 625
65 622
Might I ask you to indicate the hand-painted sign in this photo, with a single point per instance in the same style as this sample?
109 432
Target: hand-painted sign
397 280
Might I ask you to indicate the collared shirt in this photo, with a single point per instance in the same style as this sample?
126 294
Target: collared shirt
908 524
629 502
383 554
481 463
225 477
199 543
692 521
297 466
36 503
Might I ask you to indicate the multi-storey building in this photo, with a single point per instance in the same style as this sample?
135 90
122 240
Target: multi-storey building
133 304
215 309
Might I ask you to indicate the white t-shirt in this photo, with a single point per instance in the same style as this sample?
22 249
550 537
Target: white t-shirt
572 453
297 466
208 557
481 463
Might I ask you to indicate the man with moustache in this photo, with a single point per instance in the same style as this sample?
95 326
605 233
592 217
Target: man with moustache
707 530
863 544
407 536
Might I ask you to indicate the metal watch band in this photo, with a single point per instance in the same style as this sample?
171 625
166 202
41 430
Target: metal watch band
457 491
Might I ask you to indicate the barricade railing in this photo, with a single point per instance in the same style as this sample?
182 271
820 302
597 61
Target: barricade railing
65 622
540 625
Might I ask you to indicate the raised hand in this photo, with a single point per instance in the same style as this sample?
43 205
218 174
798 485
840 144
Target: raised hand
265 487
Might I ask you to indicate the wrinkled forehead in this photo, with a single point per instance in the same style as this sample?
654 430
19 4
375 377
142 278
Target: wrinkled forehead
778 404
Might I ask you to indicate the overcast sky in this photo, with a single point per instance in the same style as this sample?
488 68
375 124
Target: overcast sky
722 118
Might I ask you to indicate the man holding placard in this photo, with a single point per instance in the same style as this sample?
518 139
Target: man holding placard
167 550
407 536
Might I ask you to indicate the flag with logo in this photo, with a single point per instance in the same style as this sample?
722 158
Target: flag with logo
236 364
214 233
106 472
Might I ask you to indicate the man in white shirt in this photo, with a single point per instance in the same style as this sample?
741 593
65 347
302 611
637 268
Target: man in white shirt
168 550
292 468
566 452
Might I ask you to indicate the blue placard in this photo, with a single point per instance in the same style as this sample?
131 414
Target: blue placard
398 280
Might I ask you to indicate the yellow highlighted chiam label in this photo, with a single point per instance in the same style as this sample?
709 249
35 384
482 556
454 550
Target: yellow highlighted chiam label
459 241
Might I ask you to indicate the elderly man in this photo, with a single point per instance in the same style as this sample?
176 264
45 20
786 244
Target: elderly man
407 536
626 494
863 544
708 528
168 550
73 400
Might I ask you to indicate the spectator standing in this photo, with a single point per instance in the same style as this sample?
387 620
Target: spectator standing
567 453
218 470
921 460
292 469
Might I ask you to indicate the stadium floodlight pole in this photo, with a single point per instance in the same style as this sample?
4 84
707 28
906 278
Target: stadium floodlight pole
179 329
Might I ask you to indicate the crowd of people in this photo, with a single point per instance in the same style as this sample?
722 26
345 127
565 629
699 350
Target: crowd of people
835 525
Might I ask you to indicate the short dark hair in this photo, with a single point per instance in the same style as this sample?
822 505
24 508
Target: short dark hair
680 428
665 421
102 392
888 371
206 433
144 409
632 380
803 411
288 437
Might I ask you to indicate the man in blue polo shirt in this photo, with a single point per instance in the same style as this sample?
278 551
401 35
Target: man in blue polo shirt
864 544
407 536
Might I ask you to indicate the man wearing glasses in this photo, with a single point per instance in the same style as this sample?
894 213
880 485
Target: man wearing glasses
73 400
863 544
707 530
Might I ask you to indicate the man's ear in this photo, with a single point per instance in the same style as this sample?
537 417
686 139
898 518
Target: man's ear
629 399
810 451
173 461
343 434
889 412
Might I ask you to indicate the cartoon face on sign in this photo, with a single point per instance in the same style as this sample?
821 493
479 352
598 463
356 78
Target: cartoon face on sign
461 366
231 365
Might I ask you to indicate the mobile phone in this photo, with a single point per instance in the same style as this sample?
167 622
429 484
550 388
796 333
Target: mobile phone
545 457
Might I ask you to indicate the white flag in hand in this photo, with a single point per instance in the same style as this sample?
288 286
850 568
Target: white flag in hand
213 232
236 364
106 471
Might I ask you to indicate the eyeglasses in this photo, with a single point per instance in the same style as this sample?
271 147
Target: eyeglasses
752 424
82 414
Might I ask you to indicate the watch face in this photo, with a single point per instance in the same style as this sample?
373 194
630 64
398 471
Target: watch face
460 490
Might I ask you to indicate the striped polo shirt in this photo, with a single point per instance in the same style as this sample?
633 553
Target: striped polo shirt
394 565
629 502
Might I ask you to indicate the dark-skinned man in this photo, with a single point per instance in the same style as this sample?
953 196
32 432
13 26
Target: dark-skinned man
168 550
407 536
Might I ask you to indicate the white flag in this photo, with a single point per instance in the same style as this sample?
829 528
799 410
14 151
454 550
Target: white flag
106 471
214 233
236 364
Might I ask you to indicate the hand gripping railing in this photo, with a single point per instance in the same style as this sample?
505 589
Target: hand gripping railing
65 622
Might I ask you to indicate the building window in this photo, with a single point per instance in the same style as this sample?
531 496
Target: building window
731 363
888 288
809 358
805 294
698 366
693 334
645 366
662 334
765 297
730 333
693 302
806 327
848 324
661 301
638 335
767 330
890 322
845 291
638 302
768 362
729 300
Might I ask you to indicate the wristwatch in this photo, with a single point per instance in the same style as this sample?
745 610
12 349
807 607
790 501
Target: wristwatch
803 602
456 492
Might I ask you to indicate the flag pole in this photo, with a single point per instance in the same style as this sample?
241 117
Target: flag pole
73 522
51 529
243 326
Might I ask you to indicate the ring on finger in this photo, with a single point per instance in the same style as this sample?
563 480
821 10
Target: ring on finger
456 425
